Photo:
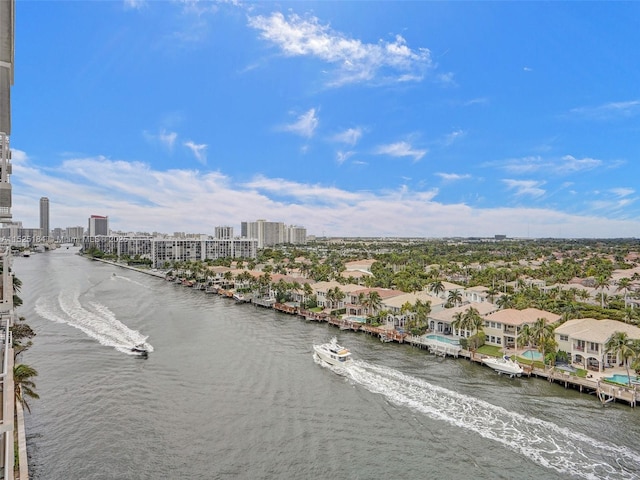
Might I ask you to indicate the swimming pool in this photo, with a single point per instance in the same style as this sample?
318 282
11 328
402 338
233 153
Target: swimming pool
531 355
443 339
355 318
623 379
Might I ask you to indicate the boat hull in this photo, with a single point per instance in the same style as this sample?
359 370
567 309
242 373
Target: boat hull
507 367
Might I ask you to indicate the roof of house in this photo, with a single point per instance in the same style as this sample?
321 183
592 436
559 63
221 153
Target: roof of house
399 300
511 316
597 331
447 315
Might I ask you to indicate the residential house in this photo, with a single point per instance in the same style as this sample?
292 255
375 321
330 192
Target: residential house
503 327
585 339
440 320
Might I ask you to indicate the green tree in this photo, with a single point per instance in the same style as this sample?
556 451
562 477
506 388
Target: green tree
621 346
601 282
23 385
454 298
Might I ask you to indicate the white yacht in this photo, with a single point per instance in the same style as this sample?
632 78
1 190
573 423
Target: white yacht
333 353
504 365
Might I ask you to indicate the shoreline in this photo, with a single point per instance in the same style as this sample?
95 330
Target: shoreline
604 392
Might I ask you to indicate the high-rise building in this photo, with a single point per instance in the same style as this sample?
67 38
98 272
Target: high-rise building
224 233
98 225
7 24
44 216
269 234
74 234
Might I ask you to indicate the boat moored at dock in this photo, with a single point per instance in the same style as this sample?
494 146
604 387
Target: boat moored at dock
504 365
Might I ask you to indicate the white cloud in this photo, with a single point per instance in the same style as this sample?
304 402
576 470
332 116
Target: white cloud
350 136
137 197
609 110
354 60
198 150
135 4
454 136
164 138
525 187
452 177
565 165
622 192
305 126
342 157
401 149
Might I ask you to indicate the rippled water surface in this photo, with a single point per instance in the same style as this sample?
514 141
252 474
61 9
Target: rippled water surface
234 391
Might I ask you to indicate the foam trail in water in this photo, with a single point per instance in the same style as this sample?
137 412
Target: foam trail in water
120 277
545 443
94 319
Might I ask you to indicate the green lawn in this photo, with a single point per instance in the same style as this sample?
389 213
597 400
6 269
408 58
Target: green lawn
490 350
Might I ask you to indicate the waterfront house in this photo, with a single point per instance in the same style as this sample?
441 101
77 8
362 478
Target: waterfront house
321 289
394 304
585 339
503 327
440 320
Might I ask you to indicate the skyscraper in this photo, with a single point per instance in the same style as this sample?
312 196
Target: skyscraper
98 225
44 216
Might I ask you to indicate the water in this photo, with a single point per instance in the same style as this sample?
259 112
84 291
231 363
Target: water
234 392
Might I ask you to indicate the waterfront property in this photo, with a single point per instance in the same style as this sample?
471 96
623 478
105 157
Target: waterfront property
585 340
503 327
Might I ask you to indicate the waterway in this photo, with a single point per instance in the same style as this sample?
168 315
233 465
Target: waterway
233 392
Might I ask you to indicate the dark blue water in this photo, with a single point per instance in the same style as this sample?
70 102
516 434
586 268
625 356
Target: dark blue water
234 392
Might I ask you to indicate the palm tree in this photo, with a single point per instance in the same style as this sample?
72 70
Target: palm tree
373 302
23 386
422 311
620 345
542 335
437 287
524 336
454 298
601 283
335 295
624 284
459 323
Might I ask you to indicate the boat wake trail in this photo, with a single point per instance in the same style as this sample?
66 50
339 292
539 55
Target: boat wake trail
94 319
545 443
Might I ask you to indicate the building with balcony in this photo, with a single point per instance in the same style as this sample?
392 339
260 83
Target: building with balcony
584 339
502 328
164 251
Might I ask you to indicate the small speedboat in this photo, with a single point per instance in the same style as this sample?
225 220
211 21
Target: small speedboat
140 349
332 353
504 365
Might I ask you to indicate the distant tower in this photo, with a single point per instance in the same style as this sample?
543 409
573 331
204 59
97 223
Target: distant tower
98 225
44 216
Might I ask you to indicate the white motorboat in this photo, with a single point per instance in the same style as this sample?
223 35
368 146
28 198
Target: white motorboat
504 365
332 353
140 349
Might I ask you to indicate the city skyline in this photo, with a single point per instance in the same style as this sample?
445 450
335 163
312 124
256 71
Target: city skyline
419 119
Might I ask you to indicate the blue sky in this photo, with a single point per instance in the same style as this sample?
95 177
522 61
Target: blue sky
422 119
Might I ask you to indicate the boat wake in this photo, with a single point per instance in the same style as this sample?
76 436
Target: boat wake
94 319
543 442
